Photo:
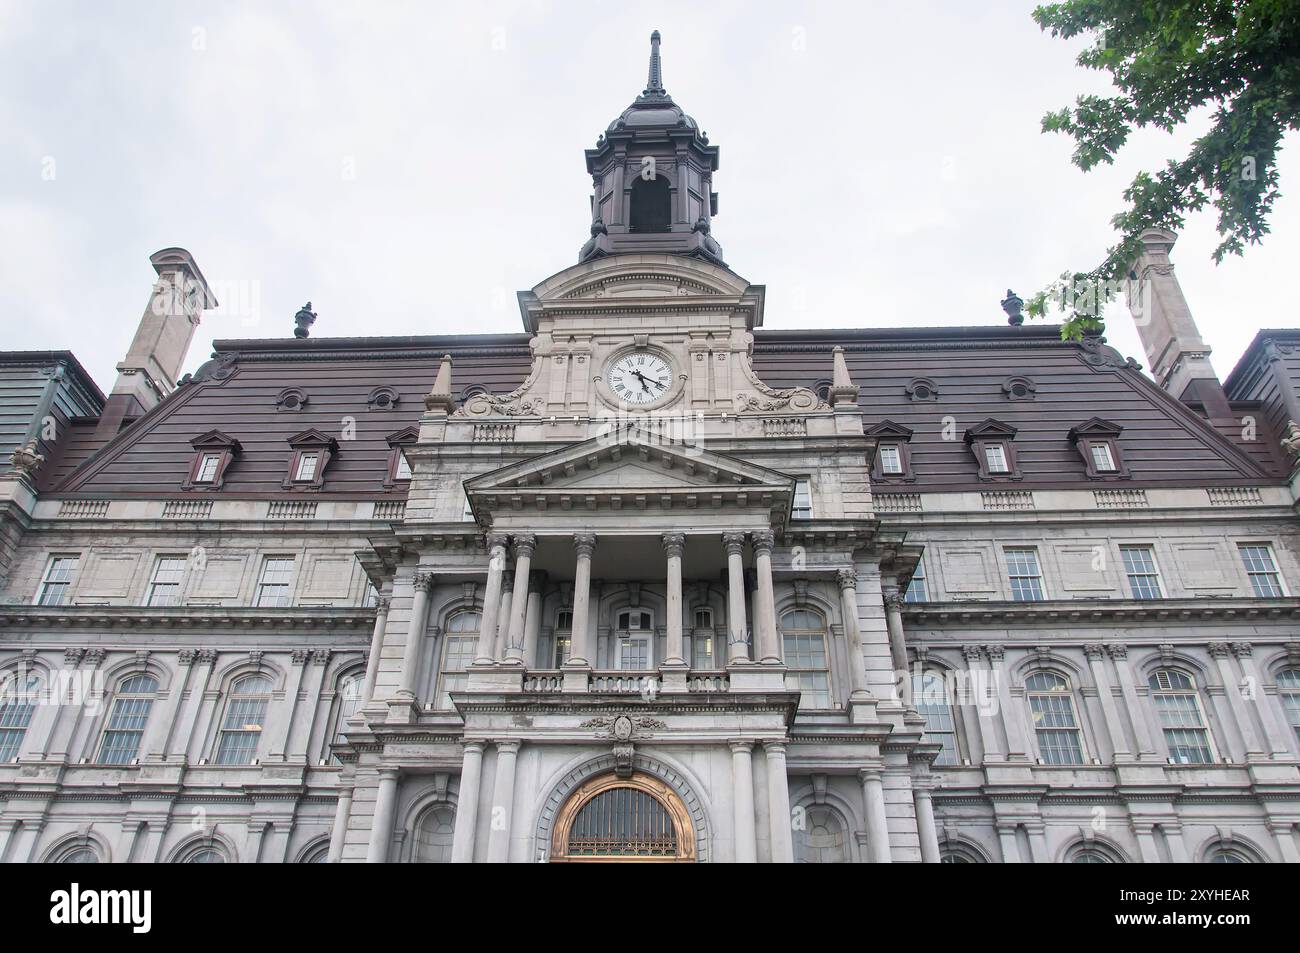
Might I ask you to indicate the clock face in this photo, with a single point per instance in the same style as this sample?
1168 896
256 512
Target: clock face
640 377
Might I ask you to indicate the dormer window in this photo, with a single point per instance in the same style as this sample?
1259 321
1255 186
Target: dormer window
993 444
1097 441
214 452
893 455
399 465
312 453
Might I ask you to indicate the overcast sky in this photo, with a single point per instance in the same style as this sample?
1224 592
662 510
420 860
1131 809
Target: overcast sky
409 167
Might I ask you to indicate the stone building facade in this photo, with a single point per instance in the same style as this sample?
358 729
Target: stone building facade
649 582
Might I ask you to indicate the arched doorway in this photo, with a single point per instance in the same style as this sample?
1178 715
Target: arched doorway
623 819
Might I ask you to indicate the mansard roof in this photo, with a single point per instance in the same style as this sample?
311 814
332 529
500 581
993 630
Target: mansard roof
1163 441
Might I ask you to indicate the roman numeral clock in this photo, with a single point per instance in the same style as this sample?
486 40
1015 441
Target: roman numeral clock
640 377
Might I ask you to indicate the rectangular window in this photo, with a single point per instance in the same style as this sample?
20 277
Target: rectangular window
165 587
403 471
1024 576
273 589
16 709
995 458
1140 565
58 579
702 640
456 662
307 467
125 729
563 636
207 471
806 669
930 697
241 731
891 459
1262 570
1102 461
802 499
1185 734
916 589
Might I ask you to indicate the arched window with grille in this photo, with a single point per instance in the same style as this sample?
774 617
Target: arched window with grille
79 854
1288 693
20 692
245 717
458 646
932 698
1051 706
132 702
635 818
803 634
1227 854
1178 705
1092 853
202 854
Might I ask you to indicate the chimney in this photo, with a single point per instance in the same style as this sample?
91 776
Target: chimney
153 363
1178 358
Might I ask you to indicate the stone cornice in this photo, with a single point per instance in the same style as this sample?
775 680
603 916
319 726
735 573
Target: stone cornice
356 618
1106 611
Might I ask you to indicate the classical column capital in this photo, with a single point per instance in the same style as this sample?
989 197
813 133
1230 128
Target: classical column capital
870 774
674 544
893 599
321 656
971 653
525 546
763 540
186 656
422 581
474 747
497 541
1117 650
299 656
584 544
846 579
1093 651
1218 649
508 747
775 748
1242 649
996 653
383 604
739 746
734 543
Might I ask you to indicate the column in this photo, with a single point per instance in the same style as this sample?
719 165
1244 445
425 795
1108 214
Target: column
1007 840
524 548
893 600
926 829
1141 732
471 776
742 768
197 687
376 649
381 834
342 810
280 727
1036 830
1277 732
1118 743
1017 748
487 634
1145 832
533 617
1285 840
873 794
778 803
304 716
503 801
848 582
769 651
674 547
423 582
737 641
503 616
1232 688
581 651
977 692
153 746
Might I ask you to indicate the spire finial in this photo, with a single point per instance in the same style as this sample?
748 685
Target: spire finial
655 84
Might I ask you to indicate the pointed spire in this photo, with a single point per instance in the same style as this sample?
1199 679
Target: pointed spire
843 390
655 82
440 397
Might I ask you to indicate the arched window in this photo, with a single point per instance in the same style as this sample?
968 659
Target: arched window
19 694
931 698
80 854
1174 695
1092 853
202 854
433 835
349 700
634 640
823 839
651 205
241 729
613 818
459 646
955 852
703 640
1051 705
125 726
803 633
1224 854
317 853
1288 690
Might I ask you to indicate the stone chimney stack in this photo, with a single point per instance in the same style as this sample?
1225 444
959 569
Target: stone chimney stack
1178 358
153 363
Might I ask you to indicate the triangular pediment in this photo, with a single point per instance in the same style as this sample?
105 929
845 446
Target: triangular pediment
631 461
